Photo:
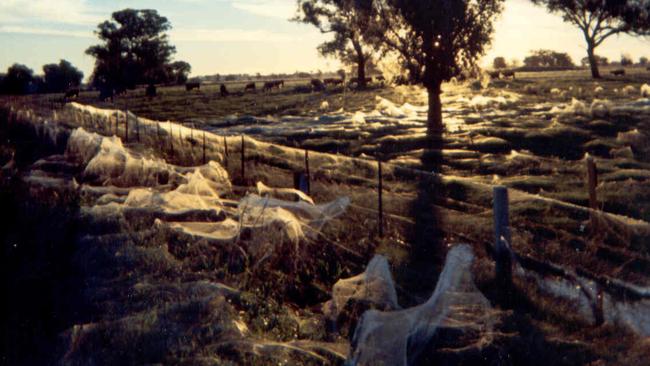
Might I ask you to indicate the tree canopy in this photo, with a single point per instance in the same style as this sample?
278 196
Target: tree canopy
434 40
60 77
601 19
548 59
499 63
19 79
347 23
135 50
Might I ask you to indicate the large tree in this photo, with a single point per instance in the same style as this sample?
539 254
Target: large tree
18 80
60 77
434 40
347 23
601 19
548 59
135 50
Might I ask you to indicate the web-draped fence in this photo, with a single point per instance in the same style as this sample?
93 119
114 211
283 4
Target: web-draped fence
383 196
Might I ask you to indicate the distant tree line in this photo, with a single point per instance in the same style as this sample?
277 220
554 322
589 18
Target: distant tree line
56 78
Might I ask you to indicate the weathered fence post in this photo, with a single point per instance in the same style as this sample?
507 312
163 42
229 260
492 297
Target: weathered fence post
243 159
204 148
503 242
592 181
126 123
137 128
380 202
225 152
307 174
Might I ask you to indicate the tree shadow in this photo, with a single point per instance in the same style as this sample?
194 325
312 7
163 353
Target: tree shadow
420 271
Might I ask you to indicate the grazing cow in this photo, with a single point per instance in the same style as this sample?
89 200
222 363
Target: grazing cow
71 93
106 93
151 91
618 72
495 74
223 91
333 81
273 84
249 86
509 74
317 85
380 78
192 86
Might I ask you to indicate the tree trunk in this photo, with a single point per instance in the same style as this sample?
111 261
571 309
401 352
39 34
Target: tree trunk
593 62
432 157
434 116
361 72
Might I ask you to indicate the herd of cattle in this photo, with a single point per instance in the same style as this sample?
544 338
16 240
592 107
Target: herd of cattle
268 86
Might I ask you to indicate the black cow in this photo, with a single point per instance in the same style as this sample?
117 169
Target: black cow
273 84
192 86
223 91
151 91
333 81
317 85
618 72
249 86
495 74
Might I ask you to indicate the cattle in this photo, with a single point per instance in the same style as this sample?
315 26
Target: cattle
333 81
71 93
495 74
618 72
223 91
249 86
509 74
106 93
317 85
151 91
356 81
192 86
380 78
273 84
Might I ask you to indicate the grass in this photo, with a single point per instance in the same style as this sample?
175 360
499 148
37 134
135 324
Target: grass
145 291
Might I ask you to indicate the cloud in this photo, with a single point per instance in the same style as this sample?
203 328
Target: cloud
45 31
283 9
76 12
229 35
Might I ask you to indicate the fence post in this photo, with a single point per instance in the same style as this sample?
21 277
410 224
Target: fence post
592 181
243 157
308 175
171 139
126 123
380 202
204 148
137 128
503 241
117 121
225 152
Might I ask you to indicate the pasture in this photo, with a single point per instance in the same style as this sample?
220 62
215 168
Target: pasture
531 134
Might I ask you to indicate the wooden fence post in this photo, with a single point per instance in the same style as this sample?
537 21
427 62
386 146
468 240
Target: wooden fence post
243 159
503 241
308 175
380 202
204 148
225 152
126 123
137 128
592 181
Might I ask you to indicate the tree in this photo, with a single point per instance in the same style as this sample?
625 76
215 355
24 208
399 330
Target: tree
434 40
643 61
60 77
548 59
600 19
18 80
499 63
135 50
347 22
600 60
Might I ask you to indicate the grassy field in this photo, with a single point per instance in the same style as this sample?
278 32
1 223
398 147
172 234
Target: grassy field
143 284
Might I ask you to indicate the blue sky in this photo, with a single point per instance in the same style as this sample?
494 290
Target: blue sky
233 36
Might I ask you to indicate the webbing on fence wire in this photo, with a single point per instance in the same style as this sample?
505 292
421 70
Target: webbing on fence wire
298 154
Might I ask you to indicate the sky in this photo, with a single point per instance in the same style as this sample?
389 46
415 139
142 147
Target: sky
250 36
